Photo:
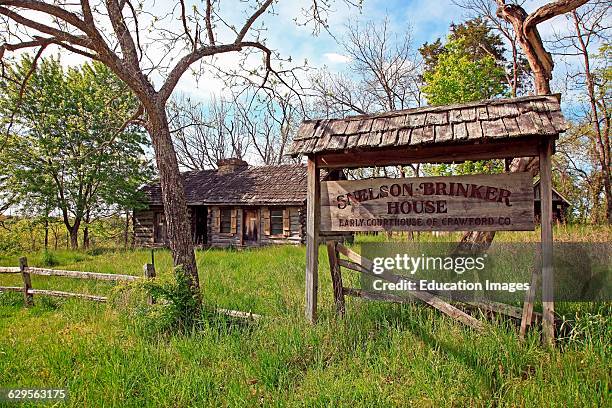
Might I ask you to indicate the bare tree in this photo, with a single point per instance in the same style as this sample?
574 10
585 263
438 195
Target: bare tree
588 29
383 73
541 64
270 122
204 134
129 37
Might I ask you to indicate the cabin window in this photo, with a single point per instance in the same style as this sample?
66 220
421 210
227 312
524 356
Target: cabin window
276 221
225 225
159 228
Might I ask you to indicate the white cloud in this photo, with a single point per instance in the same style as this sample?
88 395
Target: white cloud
337 58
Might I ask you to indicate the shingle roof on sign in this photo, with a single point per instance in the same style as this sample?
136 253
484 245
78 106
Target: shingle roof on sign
281 184
466 123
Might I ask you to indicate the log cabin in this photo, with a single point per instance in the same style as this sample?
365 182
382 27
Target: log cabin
236 205
560 205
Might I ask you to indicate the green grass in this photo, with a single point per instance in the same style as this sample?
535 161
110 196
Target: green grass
379 355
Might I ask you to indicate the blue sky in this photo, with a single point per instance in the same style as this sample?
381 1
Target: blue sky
428 19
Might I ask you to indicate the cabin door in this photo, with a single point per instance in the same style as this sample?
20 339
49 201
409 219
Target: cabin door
199 225
250 224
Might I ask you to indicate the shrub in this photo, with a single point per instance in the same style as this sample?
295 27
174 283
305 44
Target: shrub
176 308
49 259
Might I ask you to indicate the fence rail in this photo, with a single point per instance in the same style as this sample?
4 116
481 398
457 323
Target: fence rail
29 292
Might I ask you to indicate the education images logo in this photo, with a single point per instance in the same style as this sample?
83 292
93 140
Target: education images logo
411 265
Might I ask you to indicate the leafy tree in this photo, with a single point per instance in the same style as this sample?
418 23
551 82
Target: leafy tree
458 77
67 149
478 40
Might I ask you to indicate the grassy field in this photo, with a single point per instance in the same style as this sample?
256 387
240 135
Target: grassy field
379 355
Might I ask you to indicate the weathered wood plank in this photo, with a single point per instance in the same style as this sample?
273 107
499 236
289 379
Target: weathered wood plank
313 197
11 289
59 293
460 131
440 118
369 139
512 127
494 128
306 130
548 324
27 282
480 202
530 295
415 120
444 133
337 142
389 137
82 275
239 314
403 136
474 130
9 269
336 276
499 149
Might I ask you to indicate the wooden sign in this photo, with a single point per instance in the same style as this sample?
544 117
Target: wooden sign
492 202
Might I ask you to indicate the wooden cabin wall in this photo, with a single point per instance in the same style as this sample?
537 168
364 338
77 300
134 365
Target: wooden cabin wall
295 233
144 234
217 239
292 235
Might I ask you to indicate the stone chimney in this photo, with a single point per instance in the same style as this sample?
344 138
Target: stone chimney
226 166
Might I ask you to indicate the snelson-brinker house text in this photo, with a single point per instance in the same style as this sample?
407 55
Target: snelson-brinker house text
484 202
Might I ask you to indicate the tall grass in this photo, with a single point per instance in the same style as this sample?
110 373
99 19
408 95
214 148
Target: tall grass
379 355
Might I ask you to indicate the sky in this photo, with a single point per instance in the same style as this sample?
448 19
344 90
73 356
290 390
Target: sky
298 42
427 19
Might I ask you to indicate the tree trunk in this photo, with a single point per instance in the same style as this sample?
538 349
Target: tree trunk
541 64
127 229
86 237
86 231
173 197
46 232
74 238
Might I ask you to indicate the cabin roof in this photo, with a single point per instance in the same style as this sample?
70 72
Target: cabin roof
258 185
556 196
477 122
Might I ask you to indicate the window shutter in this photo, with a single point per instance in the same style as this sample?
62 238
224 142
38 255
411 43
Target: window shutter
266 220
217 214
286 222
233 220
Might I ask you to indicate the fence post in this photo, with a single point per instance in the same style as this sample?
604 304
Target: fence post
149 274
28 298
336 276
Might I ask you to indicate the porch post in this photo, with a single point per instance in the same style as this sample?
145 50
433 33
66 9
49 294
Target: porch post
312 239
548 321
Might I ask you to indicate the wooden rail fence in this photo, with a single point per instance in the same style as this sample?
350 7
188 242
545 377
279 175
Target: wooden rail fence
29 292
356 262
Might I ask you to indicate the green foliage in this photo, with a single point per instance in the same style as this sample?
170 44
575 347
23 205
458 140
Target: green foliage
467 167
466 69
176 307
379 355
478 42
458 78
49 259
67 150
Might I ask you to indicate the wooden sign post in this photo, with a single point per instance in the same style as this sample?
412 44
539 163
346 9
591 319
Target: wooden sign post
495 129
